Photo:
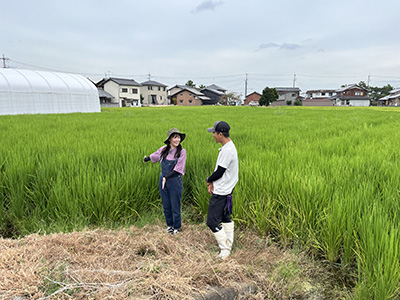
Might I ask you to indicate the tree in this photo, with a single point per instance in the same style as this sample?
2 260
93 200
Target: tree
376 92
231 98
191 84
268 96
202 86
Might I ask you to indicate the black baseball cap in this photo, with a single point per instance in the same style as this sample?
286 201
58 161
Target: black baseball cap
219 126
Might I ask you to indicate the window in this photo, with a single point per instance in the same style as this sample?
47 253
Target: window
190 101
124 90
159 88
149 87
323 94
181 101
293 95
164 89
160 97
134 91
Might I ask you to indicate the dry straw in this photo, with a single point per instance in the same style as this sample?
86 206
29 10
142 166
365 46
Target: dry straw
137 263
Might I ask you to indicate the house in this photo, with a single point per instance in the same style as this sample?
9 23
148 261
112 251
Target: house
215 95
351 95
287 96
153 92
186 96
393 99
126 92
252 99
106 99
319 98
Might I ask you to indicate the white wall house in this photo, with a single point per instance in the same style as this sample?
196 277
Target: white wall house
154 93
40 92
393 99
126 92
352 95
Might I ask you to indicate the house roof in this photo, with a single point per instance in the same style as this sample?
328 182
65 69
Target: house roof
189 89
204 98
393 96
321 91
287 89
104 94
154 83
219 93
395 91
120 81
254 93
352 98
349 87
216 87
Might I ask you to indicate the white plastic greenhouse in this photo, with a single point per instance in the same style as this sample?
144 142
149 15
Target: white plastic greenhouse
40 92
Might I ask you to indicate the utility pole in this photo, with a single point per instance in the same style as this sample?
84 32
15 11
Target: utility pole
245 87
294 80
369 78
149 76
4 61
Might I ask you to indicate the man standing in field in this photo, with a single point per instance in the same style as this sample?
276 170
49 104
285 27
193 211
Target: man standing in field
221 184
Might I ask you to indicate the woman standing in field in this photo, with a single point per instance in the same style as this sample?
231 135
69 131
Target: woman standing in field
173 161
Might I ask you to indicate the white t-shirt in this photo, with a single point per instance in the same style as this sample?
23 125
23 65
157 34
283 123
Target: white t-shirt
227 159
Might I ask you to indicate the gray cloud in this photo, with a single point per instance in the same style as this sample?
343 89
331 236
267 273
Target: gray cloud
269 45
207 5
283 46
289 46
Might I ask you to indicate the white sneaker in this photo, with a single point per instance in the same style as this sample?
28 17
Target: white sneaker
170 229
176 231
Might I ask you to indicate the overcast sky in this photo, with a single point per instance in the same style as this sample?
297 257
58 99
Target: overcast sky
313 43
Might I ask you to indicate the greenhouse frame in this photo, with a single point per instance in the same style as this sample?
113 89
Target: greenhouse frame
43 92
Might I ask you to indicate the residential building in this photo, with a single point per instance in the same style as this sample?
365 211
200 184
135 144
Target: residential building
287 96
153 92
106 99
215 95
351 95
393 99
252 99
186 96
319 97
126 92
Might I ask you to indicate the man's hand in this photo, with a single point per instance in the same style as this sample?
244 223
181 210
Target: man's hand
210 187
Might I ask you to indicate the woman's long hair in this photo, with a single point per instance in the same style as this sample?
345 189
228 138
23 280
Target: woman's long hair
165 151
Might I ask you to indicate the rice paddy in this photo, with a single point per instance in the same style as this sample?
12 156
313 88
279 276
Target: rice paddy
325 178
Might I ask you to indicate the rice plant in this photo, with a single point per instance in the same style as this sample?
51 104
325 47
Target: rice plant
325 178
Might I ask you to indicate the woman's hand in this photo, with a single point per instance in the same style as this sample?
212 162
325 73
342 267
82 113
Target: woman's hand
164 180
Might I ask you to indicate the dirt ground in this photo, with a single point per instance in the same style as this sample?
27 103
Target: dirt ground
148 263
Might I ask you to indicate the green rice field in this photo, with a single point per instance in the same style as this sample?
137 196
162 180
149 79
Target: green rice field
324 178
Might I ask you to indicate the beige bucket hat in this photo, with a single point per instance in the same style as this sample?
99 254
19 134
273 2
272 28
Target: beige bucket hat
171 132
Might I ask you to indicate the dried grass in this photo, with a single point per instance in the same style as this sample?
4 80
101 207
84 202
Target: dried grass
136 263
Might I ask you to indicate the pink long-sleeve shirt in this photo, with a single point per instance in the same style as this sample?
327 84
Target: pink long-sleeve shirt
180 165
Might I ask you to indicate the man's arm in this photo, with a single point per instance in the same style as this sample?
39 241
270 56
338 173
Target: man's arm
217 174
